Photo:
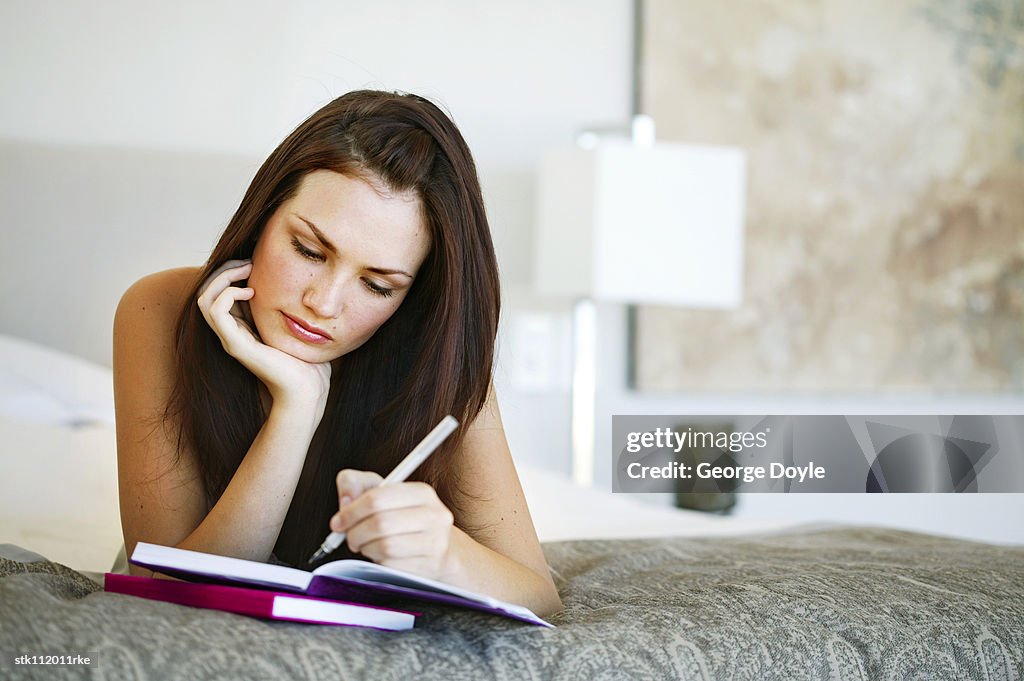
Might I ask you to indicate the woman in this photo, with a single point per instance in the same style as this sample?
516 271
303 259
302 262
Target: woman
350 304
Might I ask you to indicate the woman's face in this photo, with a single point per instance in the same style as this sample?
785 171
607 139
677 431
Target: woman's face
333 263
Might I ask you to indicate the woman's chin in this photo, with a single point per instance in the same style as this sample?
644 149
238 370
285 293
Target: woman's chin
303 351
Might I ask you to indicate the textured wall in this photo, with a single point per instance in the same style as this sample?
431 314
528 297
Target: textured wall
885 215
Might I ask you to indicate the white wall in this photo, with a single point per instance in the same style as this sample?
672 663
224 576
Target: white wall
235 76
112 87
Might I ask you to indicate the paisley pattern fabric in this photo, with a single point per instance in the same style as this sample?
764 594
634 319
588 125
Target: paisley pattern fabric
848 604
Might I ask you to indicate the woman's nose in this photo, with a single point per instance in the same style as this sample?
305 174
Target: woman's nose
326 298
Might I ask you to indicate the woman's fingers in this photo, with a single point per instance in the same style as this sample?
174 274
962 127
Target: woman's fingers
218 302
231 328
218 313
236 270
360 496
227 298
397 547
402 525
353 483
401 533
397 520
392 509
219 281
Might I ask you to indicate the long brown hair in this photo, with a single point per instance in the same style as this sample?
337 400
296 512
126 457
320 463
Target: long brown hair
432 357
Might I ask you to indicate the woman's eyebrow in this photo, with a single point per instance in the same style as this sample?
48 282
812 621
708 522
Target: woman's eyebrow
319 235
331 247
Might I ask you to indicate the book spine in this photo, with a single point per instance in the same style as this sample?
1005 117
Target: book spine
261 603
241 601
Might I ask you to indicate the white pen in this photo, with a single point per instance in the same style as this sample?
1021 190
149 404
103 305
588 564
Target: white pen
402 471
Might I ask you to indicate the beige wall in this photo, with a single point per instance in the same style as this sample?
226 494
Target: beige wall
885 215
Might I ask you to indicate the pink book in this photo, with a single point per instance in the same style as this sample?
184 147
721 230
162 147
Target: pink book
260 603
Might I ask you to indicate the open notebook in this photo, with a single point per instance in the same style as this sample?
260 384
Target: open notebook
350 580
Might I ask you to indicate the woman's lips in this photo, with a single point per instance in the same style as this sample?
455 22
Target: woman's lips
306 332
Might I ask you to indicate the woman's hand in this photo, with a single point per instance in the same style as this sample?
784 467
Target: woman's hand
287 378
402 525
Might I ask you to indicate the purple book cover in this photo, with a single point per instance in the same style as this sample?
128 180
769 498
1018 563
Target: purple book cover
335 587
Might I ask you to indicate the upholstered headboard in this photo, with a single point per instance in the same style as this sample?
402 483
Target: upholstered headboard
80 224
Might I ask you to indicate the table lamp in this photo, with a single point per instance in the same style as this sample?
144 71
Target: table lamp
635 221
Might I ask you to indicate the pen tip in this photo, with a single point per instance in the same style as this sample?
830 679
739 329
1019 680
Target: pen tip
316 556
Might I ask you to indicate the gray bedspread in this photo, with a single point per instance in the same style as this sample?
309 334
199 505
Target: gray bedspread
844 604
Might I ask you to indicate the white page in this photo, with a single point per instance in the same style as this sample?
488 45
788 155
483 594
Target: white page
220 566
321 611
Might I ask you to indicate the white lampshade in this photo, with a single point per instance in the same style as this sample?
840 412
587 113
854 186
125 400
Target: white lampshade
659 224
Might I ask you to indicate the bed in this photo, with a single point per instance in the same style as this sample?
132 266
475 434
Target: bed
649 592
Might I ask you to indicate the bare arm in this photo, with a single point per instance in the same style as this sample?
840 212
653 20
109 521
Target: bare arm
161 493
504 557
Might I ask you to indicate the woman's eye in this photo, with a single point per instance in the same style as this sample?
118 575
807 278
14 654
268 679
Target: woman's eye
306 252
378 290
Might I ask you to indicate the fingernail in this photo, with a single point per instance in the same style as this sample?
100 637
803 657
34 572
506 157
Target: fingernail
346 500
336 522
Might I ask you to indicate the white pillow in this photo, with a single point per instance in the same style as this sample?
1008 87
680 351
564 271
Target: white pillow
58 497
44 385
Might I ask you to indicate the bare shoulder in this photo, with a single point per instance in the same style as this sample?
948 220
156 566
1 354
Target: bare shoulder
157 297
144 331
